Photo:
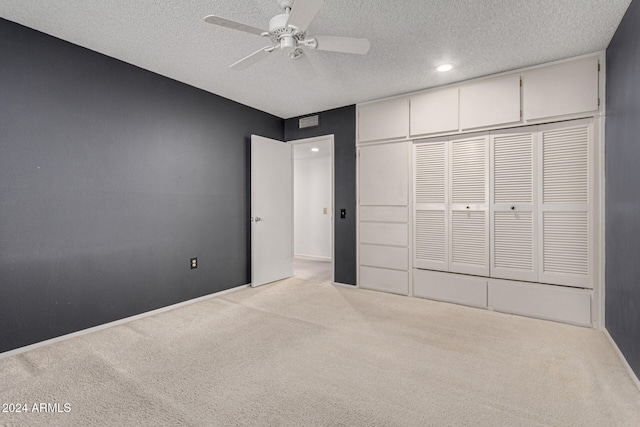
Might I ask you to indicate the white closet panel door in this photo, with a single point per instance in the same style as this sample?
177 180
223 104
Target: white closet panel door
490 102
568 88
564 212
469 221
434 112
513 217
383 120
384 175
430 202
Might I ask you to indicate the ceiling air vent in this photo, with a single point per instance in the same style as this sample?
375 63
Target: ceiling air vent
308 122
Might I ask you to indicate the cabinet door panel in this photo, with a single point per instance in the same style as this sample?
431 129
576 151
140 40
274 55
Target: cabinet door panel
384 213
490 102
383 120
384 256
381 279
384 175
568 88
434 112
380 233
456 288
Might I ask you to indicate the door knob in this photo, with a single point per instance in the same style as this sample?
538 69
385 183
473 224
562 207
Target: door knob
258 219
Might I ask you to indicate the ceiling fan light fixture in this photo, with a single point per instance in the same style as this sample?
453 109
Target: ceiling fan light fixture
444 68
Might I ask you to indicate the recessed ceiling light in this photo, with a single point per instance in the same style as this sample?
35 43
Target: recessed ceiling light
315 149
444 67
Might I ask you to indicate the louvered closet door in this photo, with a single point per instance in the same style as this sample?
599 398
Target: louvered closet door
513 214
469 200
430 203
564 212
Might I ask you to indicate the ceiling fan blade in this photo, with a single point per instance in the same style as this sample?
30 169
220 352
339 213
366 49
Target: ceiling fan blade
342 44
256 56
216 20
304 67
303 12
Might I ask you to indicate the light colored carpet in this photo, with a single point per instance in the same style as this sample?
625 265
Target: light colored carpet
302 352
311 269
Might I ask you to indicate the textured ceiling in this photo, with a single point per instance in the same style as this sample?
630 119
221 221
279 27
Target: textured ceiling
408 39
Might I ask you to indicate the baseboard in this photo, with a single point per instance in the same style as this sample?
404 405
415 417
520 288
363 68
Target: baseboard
344 285
632 374
117 322
313 257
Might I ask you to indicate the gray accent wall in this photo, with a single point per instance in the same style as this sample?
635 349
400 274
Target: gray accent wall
111 179
341 122
622 298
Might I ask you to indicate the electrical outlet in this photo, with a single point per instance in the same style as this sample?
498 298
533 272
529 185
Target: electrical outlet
324 211
194 263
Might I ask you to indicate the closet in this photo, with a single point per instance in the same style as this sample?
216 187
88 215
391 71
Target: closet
500 211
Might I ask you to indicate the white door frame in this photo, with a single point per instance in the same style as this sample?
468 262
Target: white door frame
331 140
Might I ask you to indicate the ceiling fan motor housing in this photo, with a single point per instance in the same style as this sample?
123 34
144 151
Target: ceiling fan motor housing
286 36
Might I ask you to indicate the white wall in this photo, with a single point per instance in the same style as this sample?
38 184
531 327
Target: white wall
312 193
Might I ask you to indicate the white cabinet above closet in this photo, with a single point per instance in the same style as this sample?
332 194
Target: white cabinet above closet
434 112
384 120
562 89
490 102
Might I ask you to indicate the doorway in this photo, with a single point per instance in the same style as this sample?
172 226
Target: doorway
313 208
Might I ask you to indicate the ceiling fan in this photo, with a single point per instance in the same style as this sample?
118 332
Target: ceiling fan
287 32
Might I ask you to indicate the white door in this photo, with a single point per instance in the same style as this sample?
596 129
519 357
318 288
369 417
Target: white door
514 252
271 210
430 202
469 200
565 251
